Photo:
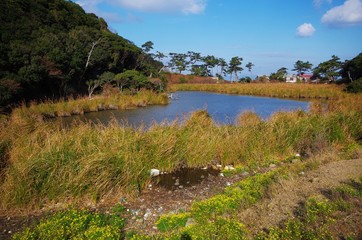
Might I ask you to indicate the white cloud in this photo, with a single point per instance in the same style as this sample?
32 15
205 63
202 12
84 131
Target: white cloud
305 30
183 6
348 14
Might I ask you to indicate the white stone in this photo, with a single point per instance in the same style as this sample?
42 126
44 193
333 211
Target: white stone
229 168
155 172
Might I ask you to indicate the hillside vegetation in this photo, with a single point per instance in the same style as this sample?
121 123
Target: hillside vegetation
52 48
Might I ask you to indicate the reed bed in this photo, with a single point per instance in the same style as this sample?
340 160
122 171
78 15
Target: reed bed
88 163
84 105
281 90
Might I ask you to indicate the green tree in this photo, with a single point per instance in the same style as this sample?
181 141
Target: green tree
200 70
280 74
104 78
210 62
178 61
223 65
160 56
302 67
329 69
249 66
235 67
132 79
193 58
147 46
352 69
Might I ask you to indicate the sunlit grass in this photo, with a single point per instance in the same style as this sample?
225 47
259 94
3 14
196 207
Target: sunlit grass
83 105
281 90
85 162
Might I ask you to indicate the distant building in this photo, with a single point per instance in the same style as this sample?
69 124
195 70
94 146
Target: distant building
292 78
305 77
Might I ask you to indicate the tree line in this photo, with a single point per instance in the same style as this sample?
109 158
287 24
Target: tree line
331 71
203 66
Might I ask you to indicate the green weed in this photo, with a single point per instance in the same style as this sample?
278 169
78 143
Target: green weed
75 224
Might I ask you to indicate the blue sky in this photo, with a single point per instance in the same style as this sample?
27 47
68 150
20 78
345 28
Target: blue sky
269 33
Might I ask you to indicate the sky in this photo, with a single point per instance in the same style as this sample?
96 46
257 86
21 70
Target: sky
269 33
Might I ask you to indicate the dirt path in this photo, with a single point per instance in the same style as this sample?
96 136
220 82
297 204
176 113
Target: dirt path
288 194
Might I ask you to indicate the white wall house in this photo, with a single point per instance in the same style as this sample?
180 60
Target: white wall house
291 78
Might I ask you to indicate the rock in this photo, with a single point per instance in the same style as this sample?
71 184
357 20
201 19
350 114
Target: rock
147 214
272 165
229 168
177 182
154 172
301 173
189 222
149 186
181 186
202 176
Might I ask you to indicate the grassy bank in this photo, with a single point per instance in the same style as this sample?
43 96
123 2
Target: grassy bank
281 90
48 164
84 105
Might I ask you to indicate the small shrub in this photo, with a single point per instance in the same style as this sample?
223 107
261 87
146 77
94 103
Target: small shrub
221 228
355 86
182 80
172 222
76 224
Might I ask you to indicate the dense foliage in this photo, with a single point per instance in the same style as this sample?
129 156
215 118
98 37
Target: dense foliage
50 49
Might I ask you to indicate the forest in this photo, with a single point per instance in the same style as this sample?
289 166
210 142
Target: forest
53 49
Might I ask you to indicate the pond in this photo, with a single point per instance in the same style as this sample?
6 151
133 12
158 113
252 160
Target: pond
223 108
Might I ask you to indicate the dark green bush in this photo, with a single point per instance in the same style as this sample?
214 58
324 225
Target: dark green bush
355 86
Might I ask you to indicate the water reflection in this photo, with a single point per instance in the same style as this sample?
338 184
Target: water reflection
223 108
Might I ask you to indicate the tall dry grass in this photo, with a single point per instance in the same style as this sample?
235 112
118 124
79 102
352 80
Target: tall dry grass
90 163
281 90
84 105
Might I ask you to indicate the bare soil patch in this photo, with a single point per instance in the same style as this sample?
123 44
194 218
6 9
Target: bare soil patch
288 194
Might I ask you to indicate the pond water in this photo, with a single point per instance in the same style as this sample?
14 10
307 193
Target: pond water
223 108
